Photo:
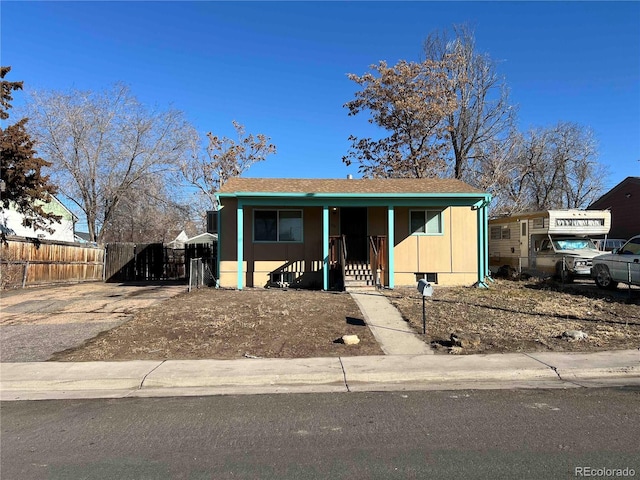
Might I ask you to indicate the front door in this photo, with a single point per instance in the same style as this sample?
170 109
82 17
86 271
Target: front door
524 246
353 224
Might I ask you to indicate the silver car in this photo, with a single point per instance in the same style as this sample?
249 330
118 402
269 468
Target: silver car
621 266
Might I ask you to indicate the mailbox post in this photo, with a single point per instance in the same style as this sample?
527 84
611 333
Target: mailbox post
426 290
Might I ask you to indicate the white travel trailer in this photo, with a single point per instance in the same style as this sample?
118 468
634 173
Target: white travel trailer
551 242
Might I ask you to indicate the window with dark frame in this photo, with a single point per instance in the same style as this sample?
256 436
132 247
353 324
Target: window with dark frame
277 226
431 277
501 232
425 222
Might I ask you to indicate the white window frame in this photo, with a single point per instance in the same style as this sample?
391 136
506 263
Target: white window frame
426 212
277 210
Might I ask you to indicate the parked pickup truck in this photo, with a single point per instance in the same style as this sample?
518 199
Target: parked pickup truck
621 266
566 256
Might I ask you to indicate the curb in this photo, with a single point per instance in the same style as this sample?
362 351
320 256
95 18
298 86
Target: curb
58 380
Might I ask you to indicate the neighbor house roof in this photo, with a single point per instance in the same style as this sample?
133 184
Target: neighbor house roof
336 186
627 183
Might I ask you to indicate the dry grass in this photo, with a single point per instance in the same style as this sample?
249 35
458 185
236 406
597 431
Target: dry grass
508 317
525 316
226 324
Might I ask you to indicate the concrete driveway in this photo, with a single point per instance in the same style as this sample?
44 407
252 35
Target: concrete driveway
35 323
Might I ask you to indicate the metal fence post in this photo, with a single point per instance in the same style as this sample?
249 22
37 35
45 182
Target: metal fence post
24 273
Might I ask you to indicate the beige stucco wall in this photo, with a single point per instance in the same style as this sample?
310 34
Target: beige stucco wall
453 255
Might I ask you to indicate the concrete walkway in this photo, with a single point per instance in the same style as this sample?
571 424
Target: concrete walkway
63 380
392 332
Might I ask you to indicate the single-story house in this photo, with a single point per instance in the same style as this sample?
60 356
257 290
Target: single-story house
336 233
11 222
624 202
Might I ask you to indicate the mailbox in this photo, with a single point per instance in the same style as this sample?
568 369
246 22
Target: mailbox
425 288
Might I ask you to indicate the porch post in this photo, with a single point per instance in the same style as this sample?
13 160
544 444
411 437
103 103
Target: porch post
485 222
390 247
219 248
325 247
240 242
482 243
479 243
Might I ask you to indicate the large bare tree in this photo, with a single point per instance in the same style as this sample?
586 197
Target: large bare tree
409 100
482 113
158 219
223 159
495 169
560 167
546 168
102 146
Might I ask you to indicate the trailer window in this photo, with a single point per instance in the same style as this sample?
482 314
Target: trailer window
502 232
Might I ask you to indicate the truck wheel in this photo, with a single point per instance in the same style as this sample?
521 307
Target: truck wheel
563 274
603 278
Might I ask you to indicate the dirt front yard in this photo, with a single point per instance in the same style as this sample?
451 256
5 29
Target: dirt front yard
524 316
226 324
510 316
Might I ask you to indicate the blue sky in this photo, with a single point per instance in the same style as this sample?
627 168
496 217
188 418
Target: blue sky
280 68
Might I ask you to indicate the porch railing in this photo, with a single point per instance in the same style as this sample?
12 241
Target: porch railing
338 253
343 255
377 257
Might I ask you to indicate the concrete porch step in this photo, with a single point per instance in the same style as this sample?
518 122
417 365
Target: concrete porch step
359 276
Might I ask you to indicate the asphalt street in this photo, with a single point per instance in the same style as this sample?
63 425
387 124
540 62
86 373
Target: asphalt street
524 434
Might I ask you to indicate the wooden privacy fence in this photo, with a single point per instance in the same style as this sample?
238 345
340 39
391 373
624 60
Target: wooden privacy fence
26 262
138 262
153 261
29 261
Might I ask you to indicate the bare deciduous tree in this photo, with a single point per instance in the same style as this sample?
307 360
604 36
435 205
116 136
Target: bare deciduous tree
410 100
546 168
495 170
102 145
482 113
225 158
158 219
560 167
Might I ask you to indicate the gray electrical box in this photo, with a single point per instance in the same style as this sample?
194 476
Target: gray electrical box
425 288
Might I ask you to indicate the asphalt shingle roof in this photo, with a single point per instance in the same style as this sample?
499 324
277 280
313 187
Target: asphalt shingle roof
375 186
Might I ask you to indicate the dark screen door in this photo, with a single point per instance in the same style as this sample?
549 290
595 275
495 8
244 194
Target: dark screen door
353 224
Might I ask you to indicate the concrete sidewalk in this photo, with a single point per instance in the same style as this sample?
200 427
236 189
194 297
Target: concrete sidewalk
62 380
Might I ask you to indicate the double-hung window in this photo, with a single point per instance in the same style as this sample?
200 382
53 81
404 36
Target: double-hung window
277 225
426 222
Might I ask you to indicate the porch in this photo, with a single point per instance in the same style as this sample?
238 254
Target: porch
349 272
